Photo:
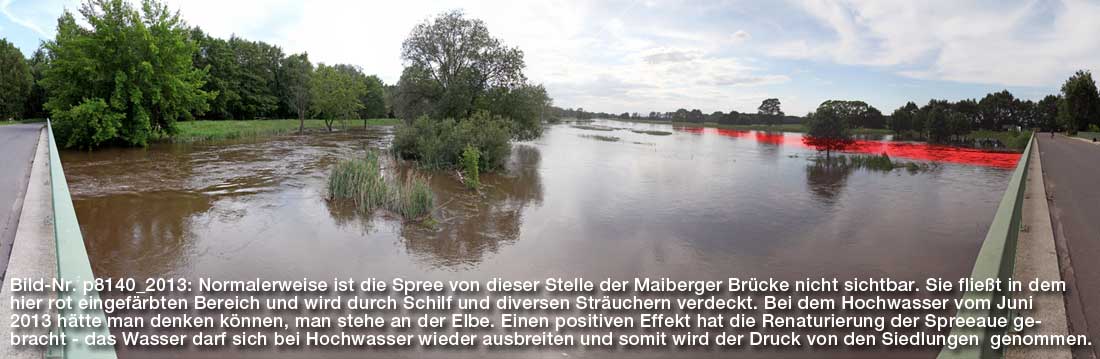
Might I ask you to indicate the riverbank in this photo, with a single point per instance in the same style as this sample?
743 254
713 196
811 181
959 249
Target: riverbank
788 127
202 131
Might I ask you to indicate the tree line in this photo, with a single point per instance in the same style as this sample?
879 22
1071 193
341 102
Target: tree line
132 73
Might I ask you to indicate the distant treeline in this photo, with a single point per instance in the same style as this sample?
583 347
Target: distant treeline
1076 108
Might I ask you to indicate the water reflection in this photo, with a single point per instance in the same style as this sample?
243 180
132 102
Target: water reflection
149 230
826 179
474 225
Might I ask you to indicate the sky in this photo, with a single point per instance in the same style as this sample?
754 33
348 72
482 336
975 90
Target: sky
661 55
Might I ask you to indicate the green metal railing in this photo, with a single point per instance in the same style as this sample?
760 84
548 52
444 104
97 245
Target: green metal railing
73 265
996 259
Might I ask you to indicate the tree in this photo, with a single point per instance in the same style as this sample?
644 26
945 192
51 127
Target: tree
452 61
36 99
374 105
936 116
15 81
828 131
296 74
257 66
999 110
139 63
857 113
770 109
1046 113
1080 103
219 61
335 95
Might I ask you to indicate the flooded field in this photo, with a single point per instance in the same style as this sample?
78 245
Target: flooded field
696 203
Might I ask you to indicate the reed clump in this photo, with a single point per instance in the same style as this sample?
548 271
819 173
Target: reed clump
362 181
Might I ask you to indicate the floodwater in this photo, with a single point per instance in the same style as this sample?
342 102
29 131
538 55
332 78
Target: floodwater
698 204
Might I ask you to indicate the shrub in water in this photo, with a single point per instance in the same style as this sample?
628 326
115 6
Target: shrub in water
470 160
437 144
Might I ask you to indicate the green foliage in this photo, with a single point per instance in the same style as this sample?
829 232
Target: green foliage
88 125
470 164
296 79
456 69
137 62
770 107
827 129
1094 127
857 114
905 119
439 144
38 63
1080 103
335 94
361 180
15 81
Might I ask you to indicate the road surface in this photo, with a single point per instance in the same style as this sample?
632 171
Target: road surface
1072 176
17 144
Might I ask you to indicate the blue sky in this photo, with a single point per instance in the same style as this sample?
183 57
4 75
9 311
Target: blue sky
658 55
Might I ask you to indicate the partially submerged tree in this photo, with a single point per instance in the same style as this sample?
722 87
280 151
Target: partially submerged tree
137 63
296 76
15 81
828 131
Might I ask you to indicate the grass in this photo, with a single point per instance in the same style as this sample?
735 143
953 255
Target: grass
361 181
652 132
1016 140
203 131
593 127
602 138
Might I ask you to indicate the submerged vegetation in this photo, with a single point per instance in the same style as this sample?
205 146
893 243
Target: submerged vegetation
362 181
880 162
602 138
652 132
592 127
470 158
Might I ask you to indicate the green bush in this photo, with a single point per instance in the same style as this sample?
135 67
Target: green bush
437 144
470 166
1094 128
87 125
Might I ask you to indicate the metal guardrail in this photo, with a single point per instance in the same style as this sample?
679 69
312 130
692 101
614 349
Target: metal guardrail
73 265
996 259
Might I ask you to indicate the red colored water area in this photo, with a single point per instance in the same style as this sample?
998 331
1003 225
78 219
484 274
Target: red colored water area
898 149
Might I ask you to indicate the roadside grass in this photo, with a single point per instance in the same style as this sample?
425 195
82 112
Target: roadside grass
204 131
1016 140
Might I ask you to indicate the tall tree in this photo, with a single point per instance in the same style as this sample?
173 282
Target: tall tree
999 110
828 130
770 109
936 116
902 119
1080 102
1046 113
36 99
139 63
296 76
15 81
223 83
452 61
335 95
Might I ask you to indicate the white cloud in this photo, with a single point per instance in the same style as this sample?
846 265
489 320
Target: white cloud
1034 43
5 8
741 36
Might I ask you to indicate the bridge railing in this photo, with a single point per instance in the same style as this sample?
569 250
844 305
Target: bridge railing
73 265
996 259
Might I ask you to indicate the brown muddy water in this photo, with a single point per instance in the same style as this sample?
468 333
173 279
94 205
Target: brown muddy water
693 204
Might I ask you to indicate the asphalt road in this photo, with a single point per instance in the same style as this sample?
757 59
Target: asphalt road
1072 177
17 145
